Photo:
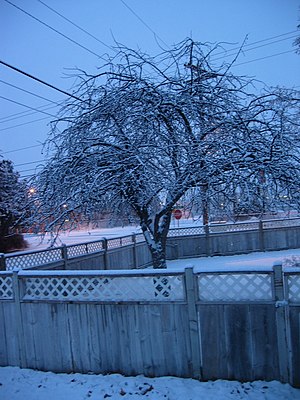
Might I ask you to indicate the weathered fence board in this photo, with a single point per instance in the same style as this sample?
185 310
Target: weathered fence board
95 261
294 336
187 246
236 338
281 238
104 338
142 255
9 341
234 243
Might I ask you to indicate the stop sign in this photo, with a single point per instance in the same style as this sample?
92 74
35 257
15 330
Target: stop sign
177 214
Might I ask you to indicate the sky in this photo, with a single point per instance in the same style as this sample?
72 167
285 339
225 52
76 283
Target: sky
44 44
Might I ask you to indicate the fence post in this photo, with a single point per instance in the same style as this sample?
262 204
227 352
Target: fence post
193 323
261 235
133 238
2 262
281 324
18 320
64 255
105 256
207 240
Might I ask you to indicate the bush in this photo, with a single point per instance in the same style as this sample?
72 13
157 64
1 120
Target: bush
12 243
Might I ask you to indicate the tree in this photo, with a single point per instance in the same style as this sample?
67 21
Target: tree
12 200
148 129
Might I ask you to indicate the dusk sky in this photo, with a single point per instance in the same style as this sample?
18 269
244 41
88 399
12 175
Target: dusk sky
269 55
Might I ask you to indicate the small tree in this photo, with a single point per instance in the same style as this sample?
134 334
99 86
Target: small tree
12 201
149 129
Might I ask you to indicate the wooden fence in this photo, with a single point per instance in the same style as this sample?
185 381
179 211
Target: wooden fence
242 325
131 252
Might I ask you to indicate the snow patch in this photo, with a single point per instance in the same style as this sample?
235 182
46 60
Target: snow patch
21 384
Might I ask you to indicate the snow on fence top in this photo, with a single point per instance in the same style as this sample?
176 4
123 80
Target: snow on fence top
151 285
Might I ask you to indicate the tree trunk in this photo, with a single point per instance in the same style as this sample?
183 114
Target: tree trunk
204 199
155 234
158 253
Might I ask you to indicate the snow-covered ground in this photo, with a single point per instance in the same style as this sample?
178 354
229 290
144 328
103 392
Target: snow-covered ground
252 261
38 242
25 384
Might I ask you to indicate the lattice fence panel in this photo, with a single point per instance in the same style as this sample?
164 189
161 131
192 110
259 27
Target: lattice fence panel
84 248
24 261
186 231
6 287
113 243
76 250
235 287
100 288
293 285
126 240
281 223
119 242
139 238
94 246
234 227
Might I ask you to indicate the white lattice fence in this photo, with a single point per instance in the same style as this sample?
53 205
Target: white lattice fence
119 242
293 287
139 238
84 248
235 287
94 246
76 250
88 286
103 288
33 259
186 231
6 287
247 226
281 223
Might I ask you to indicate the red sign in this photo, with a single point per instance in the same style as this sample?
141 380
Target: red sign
177 214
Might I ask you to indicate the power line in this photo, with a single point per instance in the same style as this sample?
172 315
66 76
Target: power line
23 114
23 148
53 29
27 91
252 48
14 115
261 41
38 79
31 162
27 170
77 26
24 123
27 176
143 22
263 58
24 105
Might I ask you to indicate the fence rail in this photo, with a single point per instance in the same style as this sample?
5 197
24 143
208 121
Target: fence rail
131 251
242 325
